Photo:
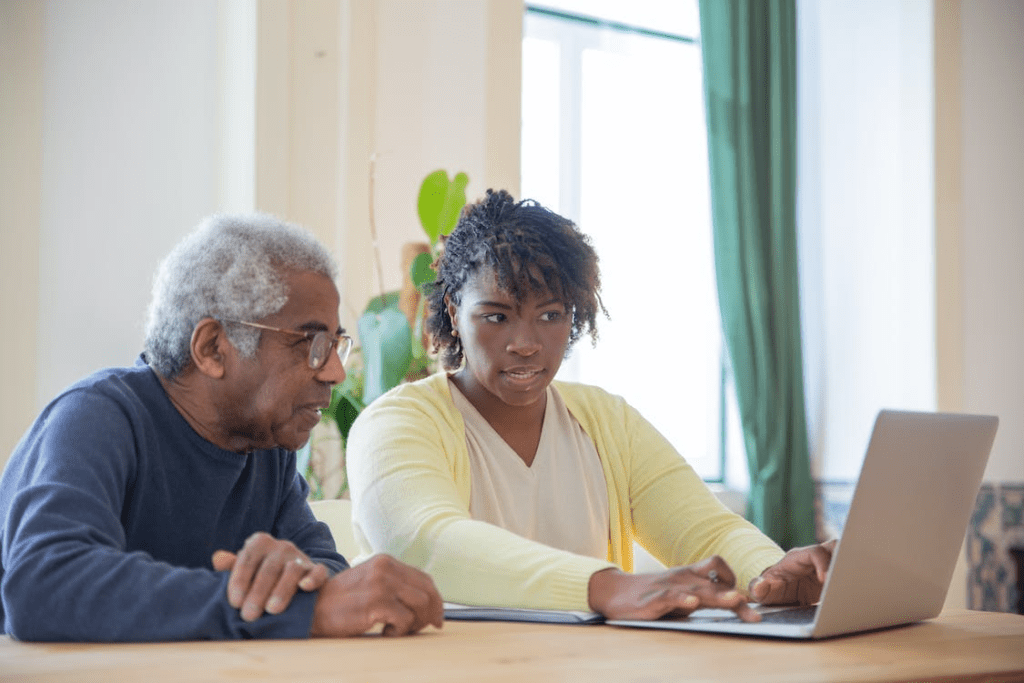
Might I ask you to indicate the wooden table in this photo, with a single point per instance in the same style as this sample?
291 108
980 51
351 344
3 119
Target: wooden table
958 646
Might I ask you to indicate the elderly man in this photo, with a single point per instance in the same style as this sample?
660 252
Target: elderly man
162 502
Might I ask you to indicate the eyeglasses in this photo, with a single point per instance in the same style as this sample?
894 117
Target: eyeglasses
319 349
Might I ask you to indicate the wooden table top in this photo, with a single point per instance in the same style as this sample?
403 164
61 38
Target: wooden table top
957 646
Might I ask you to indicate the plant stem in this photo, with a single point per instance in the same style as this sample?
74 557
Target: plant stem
373 225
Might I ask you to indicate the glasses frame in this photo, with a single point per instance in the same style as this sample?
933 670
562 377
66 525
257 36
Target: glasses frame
341 342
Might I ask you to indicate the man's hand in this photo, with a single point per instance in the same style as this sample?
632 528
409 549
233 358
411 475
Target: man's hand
797 578
381 590
265 574
677 591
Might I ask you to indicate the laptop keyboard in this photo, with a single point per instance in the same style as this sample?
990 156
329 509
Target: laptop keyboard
791 615
775 615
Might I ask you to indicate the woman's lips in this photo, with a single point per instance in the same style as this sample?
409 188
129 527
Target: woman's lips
524 374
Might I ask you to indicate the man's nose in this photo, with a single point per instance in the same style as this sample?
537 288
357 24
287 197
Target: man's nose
333 372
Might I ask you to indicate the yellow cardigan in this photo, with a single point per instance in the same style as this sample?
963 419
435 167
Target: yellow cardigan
409 474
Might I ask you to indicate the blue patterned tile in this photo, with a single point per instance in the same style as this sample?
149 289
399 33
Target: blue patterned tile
997 524
1012 500
983 506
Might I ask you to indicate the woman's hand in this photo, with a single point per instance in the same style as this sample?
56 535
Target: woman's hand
677 591
797 578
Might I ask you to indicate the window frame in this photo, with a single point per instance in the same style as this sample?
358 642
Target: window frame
573 43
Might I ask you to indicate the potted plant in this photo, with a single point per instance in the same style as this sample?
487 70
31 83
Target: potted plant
392 345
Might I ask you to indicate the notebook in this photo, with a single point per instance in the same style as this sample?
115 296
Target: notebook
459 612
899 546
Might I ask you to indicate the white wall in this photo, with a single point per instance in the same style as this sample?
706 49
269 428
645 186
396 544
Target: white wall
421 111
21 114
123 124
912 218
993 224
114 117
129 164
430 85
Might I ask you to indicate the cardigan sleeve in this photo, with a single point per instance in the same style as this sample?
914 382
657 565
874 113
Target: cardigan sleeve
409 478
674 514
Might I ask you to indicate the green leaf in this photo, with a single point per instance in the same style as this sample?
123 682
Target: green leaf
352 386
454 201
421 271
346 403
387 350
379 303
346 413
440 203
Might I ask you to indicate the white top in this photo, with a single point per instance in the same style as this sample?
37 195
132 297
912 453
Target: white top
561 500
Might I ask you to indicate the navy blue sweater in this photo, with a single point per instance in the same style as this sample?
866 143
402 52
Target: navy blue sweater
111 507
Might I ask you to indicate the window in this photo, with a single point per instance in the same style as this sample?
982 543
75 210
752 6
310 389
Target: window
614 138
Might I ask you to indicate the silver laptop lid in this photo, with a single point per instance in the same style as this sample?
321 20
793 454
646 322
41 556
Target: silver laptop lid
905 528
907 520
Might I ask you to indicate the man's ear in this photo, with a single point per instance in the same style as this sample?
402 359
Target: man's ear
209 347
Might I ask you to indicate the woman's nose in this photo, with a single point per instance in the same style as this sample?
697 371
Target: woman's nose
524 341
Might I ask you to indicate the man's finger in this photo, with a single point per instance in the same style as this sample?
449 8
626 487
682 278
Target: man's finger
274 573
423 606
295 572
314 578
398 619
434 606
223 560
248 561
414 588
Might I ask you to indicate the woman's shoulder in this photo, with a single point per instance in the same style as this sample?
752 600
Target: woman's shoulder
422 409
577 392
430 394
593 405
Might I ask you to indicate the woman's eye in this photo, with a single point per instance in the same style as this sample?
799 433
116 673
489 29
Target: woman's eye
493 317
551 316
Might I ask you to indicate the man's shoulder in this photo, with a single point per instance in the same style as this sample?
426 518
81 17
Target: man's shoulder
131 383
105 413
111 396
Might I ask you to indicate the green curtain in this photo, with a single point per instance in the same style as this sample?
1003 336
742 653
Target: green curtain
749 50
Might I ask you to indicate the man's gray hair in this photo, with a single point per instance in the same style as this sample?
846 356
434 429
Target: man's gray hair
229 268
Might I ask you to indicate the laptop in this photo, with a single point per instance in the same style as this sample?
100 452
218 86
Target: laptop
903 534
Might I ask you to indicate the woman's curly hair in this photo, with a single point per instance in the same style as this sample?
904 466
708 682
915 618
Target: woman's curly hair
531 250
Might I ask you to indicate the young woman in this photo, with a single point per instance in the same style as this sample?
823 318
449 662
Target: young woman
511 489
